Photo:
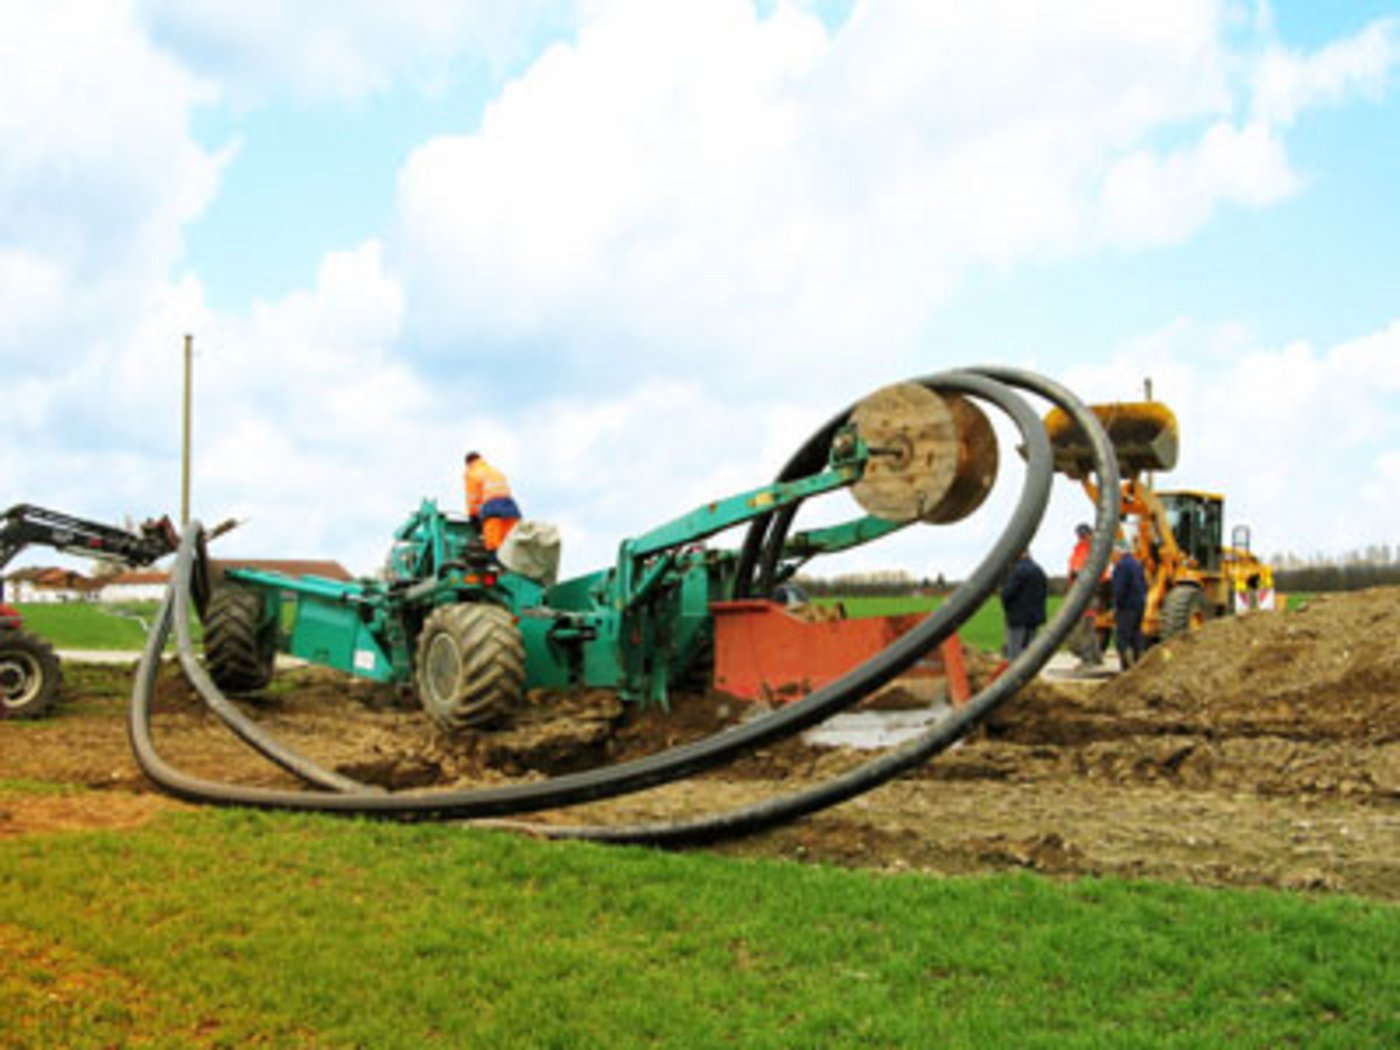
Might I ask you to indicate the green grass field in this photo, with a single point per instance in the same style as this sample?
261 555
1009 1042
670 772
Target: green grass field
230 928
90 625
85 626
985 630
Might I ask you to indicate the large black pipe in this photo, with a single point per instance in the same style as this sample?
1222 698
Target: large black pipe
939 738
673 764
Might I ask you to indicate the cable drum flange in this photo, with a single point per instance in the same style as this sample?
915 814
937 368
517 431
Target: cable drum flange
977 461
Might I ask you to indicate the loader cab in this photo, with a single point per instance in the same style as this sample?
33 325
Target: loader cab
1197 521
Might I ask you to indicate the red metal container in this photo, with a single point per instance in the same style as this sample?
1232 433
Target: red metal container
764 651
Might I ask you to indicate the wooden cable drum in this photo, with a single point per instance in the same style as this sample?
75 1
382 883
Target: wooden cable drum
933 458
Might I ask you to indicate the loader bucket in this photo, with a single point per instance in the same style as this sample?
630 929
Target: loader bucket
1143 434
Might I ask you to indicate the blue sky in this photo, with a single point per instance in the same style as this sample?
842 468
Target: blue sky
636 249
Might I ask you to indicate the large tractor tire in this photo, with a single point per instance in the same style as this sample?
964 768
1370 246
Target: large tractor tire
29 675
470 666
1184 609
239 648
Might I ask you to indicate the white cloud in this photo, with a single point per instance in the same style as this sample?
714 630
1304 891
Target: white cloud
1150 199
310 422
98 161
689 188
98 174
697 221
1287 82
343 49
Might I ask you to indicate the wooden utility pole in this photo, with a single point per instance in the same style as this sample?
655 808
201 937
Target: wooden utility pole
185 443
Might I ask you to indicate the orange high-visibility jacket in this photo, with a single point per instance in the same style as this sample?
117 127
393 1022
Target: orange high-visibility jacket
1079 557
484 483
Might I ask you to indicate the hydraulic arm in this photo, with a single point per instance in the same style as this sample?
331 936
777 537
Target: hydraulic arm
25 525
29 668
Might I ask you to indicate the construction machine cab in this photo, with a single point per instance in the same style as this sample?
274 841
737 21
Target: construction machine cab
1197 521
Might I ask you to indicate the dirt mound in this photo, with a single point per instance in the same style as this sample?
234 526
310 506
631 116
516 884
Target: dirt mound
1329 670
1301 702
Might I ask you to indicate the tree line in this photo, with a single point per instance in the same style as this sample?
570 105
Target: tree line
1375 566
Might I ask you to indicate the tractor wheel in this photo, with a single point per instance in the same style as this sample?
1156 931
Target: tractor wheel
239 648
470 665
29 675
1184 609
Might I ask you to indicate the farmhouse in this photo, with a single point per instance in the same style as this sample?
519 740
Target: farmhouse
145 585
49 585
148 585
53 585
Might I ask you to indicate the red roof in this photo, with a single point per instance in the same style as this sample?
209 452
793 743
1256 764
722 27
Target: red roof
52 578
138 578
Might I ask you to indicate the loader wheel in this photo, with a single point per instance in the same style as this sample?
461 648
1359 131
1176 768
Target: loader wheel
1184 609
239 648
470 665
29 675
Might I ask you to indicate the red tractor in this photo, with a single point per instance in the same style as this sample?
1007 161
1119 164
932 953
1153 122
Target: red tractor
29 670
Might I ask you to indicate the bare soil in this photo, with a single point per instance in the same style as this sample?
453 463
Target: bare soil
1258 751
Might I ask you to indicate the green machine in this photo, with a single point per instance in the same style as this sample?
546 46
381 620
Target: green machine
471 635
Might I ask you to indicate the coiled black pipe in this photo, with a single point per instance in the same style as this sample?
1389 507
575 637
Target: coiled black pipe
678 762
669 765
949 731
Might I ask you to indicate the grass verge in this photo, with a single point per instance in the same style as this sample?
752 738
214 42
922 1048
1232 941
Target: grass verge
985 629
237 927
92 625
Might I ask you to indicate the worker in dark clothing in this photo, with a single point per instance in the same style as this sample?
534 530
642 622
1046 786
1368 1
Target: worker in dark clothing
1129 601
1023 597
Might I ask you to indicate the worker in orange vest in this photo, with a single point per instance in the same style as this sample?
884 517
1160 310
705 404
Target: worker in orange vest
1084 638
489 502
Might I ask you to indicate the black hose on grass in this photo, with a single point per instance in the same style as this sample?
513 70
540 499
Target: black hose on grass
682 761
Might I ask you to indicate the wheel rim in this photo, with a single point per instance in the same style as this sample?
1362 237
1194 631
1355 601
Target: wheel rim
20 678
442 670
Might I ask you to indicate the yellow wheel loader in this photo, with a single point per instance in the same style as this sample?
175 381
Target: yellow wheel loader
1192 575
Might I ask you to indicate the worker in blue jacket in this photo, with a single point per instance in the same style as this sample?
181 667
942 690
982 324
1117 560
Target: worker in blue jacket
1023 597
1129 601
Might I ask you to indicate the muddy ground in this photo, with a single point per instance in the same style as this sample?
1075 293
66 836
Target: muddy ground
1261 751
